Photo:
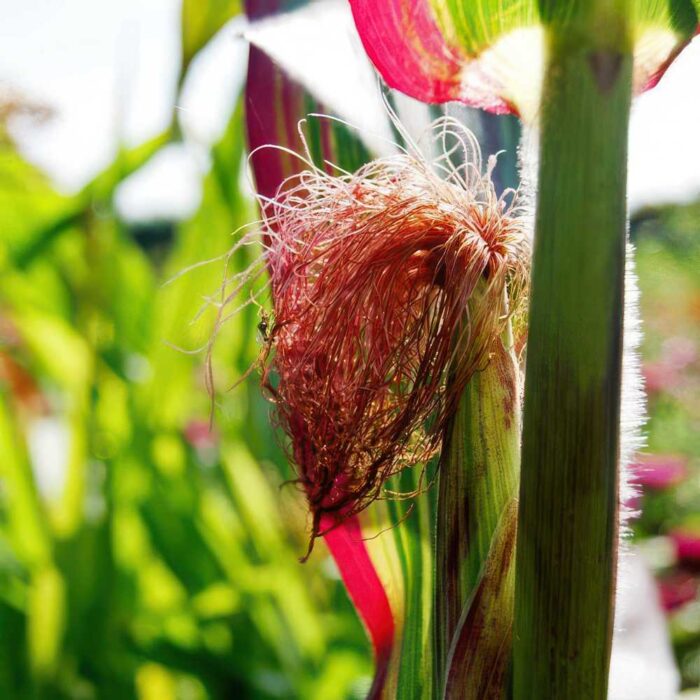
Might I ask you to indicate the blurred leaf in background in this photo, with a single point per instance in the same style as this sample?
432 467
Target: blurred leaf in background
668 528
141 554
200 21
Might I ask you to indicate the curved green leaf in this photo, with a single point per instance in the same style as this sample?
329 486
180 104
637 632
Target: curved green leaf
478 484
201 19
491 53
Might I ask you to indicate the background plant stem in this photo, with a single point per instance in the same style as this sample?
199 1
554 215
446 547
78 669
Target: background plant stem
568 522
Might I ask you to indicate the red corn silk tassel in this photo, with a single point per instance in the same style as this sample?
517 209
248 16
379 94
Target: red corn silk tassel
376 277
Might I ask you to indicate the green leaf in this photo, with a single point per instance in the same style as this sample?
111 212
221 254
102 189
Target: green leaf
126 162
35 215
491 53
47 618
201 19
259 509
57 349
413 530
480 654
27 522
176 336
478 483
33 212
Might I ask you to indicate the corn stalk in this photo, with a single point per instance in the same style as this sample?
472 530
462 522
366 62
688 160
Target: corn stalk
568 527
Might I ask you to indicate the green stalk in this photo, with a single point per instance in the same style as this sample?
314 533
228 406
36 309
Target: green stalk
478 484
568 522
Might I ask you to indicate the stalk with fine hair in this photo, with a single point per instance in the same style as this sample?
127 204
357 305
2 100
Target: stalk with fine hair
568 520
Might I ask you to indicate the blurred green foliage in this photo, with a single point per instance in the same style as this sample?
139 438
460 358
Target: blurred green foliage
668 529
668 264
141 555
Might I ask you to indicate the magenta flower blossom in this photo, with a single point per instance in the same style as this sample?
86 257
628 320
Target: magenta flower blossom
660 377
659 471
677 589
687 544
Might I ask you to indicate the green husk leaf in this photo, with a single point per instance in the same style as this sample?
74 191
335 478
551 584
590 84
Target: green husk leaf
479 657
482 23
413 537
478 485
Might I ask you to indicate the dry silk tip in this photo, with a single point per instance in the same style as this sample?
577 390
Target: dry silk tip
386 283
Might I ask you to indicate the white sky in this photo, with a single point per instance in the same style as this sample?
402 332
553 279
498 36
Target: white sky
664 161
108 69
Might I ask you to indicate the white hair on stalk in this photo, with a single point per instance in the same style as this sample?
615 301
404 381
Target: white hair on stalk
528 163
633 398
641 665
632 419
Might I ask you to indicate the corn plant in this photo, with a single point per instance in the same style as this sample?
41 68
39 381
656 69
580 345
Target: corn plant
397 294
145 555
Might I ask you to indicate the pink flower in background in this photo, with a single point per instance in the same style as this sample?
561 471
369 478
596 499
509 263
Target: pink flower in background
660 376
687 545
666 374
680 352
677 589
659 471
200 435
